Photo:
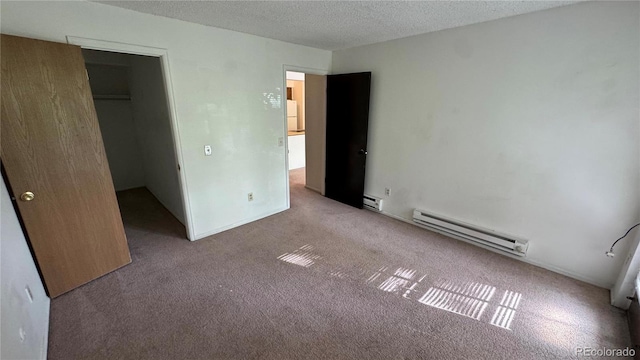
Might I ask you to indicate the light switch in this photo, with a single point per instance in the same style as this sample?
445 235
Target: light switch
280 141
207 150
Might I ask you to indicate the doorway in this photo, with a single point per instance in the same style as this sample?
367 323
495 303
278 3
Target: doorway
335 126
133 113
296 127
306 129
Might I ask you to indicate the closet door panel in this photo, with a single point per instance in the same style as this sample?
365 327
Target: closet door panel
55 162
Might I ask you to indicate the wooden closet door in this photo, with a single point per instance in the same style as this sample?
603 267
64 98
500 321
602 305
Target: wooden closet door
51 146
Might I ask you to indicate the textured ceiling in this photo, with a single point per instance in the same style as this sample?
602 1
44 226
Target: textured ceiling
334 25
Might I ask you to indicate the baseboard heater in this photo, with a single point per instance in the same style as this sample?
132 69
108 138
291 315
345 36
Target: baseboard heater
372 203
458 229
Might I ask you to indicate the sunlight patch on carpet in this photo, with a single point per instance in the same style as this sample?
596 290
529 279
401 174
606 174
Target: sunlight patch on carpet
397 281
505 312
412 288
393 284
302 256
470 299
376 275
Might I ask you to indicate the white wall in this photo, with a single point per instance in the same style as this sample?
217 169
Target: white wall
296 152
228 93
527 125
625 283
122 148
153 129
21 316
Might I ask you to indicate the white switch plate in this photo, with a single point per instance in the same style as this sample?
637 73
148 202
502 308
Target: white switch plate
280 141
207 150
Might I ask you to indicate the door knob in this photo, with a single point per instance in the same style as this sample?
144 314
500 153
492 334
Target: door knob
27 196
362 152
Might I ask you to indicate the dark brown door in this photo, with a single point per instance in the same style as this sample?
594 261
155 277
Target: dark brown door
347 126
51 146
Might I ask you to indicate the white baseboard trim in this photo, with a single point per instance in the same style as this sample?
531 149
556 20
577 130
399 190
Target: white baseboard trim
540 264
239 223
314 189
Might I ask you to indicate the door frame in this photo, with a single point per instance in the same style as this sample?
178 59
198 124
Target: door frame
299 69
163 54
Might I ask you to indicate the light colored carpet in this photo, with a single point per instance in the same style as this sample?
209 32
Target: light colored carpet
323 280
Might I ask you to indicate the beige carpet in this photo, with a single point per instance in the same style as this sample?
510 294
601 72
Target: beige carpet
323 280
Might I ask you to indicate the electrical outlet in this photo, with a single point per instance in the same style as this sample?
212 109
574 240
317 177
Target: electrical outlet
250 196
387 191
